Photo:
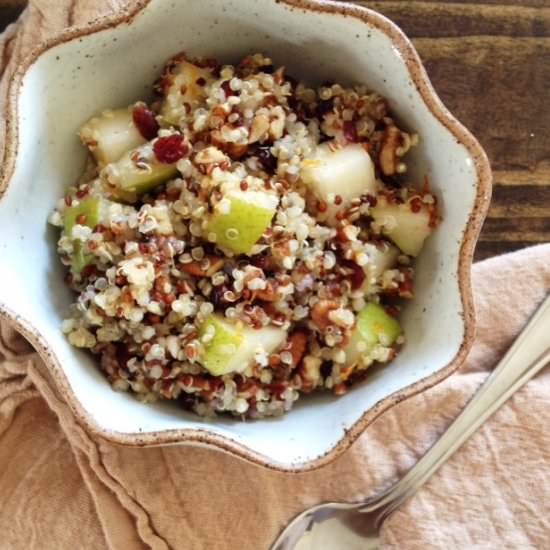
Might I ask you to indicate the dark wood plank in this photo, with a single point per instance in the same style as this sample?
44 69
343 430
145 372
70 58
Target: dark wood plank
497 86
488 249
490 63
516 3
10 11
429 19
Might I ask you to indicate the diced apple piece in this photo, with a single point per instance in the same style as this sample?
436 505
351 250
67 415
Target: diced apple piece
184 84
136 172
233 346
110 135
382 256
347 172
408 229
240 219
374 326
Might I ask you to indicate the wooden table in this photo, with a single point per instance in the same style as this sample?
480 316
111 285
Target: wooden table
490 63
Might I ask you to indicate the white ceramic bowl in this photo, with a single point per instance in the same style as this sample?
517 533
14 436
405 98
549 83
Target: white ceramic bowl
114 62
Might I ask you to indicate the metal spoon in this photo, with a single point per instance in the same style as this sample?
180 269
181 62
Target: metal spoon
345 526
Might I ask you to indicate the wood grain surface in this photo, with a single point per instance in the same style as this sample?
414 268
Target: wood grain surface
490 63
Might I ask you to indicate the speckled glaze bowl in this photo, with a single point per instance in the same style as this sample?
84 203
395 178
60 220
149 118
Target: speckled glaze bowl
113 62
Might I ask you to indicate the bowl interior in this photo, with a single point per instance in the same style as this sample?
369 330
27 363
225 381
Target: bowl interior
72 81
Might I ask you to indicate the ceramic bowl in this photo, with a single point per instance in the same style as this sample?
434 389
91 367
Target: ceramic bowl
114 62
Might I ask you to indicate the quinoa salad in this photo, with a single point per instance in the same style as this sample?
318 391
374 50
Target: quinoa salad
243 239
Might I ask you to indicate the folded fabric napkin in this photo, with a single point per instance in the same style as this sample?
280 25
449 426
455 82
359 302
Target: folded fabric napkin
61 488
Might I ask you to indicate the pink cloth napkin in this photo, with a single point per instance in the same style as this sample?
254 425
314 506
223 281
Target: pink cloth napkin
61 489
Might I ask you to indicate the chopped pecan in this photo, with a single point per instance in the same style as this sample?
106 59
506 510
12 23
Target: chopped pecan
267 294
277 124
196 269
236 150
310 372
210 155
388 151
298 344
320 311
259 128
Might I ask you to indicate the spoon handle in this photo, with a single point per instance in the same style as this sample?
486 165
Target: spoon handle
529 354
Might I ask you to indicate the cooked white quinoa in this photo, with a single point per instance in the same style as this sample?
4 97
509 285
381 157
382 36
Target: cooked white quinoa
152 272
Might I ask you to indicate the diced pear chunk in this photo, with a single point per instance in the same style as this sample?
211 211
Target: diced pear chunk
374 326
89 210
347 172
136 172
110 135
240 219
80 259
233 346
382 256
408 229
186 85
92 211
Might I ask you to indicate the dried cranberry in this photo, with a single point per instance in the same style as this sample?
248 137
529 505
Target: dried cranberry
145 121
153 318
228 267
81 193
324 106
88 271
416 204
259 261
227 89
217 296
326 369
371 200
350 131
122 354
292 80
357 273
170 149
406 288
277 389
293 103
162 84
267 160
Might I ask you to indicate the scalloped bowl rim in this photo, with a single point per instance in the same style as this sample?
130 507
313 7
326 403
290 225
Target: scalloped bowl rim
471 232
